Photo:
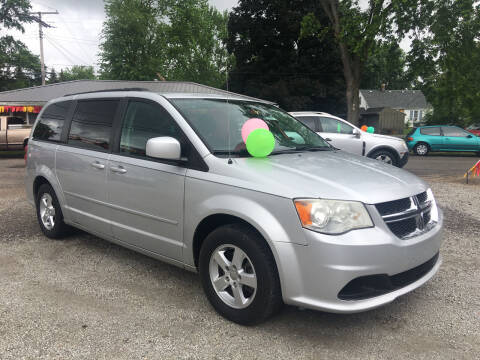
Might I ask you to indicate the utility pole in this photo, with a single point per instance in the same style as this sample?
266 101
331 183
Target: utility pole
42 24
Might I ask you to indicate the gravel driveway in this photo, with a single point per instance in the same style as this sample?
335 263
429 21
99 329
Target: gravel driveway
86 298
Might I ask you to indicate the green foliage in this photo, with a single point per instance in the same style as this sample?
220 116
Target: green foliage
13 13
18 66
387 65
77 72
196 51
445 61
274 61
164 39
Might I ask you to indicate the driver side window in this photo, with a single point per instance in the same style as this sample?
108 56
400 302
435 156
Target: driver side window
329 125
144 121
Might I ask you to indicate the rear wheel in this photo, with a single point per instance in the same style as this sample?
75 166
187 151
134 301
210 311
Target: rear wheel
49 213
421 149
239 274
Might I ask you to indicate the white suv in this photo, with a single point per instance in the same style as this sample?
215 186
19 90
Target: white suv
344 136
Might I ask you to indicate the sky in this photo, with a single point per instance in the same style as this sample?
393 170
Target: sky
75 35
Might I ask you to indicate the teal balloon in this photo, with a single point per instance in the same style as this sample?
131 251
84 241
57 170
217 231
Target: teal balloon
260 143
371 129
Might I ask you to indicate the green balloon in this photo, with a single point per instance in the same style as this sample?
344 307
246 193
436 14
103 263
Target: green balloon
260 143
371 129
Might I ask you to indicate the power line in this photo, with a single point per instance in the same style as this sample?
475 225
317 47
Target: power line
42 24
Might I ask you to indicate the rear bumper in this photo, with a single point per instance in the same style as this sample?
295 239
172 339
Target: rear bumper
314 276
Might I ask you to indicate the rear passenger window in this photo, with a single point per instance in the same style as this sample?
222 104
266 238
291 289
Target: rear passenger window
433 131
50 126
308 121
92 124
144 121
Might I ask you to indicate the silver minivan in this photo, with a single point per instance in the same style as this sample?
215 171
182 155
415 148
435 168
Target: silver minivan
169 175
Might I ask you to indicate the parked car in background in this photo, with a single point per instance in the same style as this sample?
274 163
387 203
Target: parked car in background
168 175
347 137
13 133
425 139
474 129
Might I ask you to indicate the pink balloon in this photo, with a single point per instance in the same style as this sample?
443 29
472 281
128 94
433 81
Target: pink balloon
250 125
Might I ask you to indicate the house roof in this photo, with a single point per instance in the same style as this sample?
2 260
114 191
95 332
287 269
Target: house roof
395 99
39 95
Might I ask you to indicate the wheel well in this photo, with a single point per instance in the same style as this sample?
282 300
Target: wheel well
209 224
389 149
423 142
39 181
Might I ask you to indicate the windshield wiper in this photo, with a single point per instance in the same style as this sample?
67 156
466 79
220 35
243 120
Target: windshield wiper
238 153
313 148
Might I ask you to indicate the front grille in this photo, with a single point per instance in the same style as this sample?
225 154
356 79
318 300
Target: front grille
408 217
369 286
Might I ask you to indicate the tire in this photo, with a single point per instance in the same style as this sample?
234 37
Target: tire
47 200
421 149
257 304
385 156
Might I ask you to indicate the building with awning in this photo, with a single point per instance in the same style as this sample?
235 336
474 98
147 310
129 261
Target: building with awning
22 106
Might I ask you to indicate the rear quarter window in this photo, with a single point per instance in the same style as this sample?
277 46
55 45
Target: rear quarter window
433 131
50 125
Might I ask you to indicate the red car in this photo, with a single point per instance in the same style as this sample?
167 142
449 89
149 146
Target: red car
474 129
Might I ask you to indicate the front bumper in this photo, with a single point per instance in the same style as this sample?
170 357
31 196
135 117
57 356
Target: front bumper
403 160
312 276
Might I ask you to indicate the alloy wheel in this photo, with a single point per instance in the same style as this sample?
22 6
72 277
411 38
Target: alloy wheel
47 211
421 149
384 158
233 276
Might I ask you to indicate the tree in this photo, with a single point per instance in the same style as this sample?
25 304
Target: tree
18 66
164 39
53 77
77 72
356 31
386 65
197 52
273 62
445 60
134 45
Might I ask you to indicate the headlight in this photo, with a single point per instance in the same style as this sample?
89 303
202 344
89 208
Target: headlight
332 216
433 209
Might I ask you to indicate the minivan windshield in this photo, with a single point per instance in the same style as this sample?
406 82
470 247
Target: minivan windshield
219 123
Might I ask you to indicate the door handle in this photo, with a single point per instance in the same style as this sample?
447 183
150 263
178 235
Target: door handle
328 139
97 165
118 170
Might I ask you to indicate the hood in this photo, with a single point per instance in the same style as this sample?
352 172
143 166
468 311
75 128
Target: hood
324 174
386 137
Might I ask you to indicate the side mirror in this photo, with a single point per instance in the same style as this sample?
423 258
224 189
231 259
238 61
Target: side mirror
165 147
356 133
469 136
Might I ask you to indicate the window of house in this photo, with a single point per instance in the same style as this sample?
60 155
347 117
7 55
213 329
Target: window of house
144 121
92 124
50 125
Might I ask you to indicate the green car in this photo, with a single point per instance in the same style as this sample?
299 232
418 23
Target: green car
424 139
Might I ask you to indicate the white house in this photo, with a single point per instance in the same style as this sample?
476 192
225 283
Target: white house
410 102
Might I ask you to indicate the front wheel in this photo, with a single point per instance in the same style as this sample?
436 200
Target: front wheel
239 274
385 156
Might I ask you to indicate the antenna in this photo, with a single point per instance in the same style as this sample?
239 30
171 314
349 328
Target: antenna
228 90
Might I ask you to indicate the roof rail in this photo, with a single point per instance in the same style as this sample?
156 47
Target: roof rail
108 90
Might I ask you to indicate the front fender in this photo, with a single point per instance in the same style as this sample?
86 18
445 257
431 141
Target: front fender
274 217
